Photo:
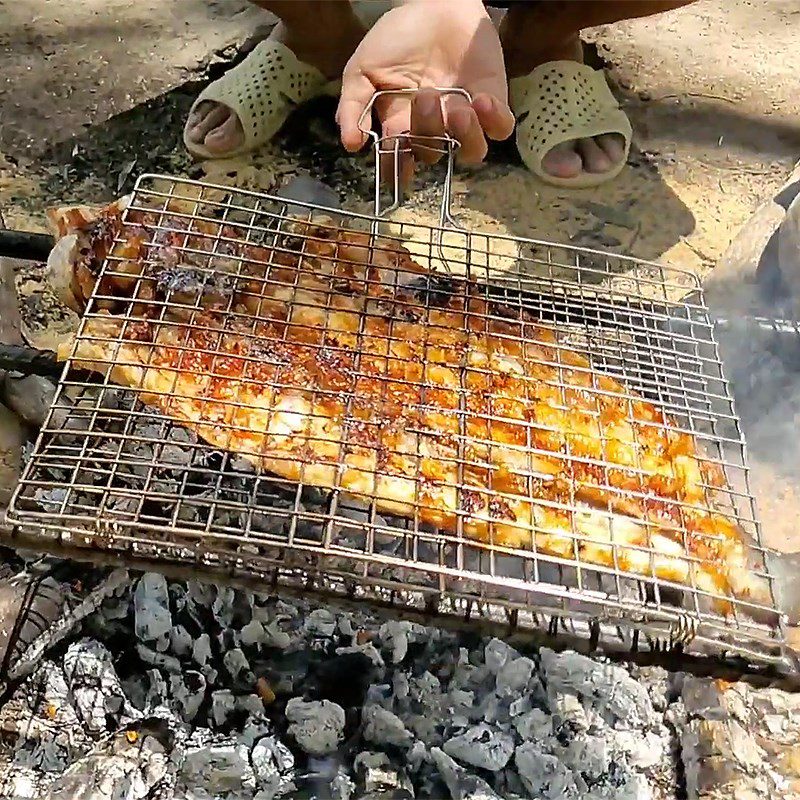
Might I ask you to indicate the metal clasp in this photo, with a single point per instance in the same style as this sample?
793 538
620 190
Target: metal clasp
398 145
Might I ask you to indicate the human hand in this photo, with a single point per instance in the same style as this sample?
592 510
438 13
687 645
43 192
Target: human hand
422 44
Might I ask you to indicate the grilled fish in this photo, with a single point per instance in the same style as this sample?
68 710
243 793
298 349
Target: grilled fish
325 357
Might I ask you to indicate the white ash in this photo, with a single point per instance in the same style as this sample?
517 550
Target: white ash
268 698
317 727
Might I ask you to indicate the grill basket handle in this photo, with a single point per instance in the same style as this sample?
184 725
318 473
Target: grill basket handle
397 145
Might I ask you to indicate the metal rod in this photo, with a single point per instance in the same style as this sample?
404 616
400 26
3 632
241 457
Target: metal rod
25 245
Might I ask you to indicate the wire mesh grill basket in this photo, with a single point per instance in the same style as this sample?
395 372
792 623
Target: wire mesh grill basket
119 476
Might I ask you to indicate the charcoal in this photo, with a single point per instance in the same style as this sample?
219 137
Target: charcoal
217 764
223 704
320 622
378 776
253 634
513 677
201 650
481 746
317 726
382 727
131 763
153 621
180 641
188 690
497 654
461 784
93 684
236 664
543 774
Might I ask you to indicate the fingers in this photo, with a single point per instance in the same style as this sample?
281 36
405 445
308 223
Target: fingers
357 91
494 116
461 122
394 114
427 120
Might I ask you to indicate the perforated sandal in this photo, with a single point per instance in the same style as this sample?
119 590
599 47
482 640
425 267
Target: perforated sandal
262 91
562 101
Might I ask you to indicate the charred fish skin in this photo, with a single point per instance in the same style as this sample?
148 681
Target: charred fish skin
407 387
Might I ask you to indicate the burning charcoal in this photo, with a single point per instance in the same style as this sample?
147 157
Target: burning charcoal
273 765
344 679
157 692
514 676
460 783
180 641
161 660
131 763
320 622
534 725
544 775
188 691
608 688
216 764
93 684
222 705
252 634
382 727
317 727
379 777
201 651
396 636
497 654
481 746
152 618
236 663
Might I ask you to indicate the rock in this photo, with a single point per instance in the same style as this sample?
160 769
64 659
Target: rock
152 618
461 784
317 727
481 746
382 727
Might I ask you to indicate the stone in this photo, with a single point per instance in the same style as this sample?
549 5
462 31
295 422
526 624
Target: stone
481 746
317 726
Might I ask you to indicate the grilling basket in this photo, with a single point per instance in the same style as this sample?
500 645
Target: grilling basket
489 432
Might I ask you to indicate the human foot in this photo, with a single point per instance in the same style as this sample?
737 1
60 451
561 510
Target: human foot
214 128
585 159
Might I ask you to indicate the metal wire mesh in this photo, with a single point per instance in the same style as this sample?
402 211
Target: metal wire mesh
113 478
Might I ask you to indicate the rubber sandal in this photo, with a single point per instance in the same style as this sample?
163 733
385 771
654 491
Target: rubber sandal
262 91
561 101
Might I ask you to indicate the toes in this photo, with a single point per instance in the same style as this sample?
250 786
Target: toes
205 120
225 137
613 145
594 157
563 161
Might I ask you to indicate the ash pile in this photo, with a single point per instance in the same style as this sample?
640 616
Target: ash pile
189 690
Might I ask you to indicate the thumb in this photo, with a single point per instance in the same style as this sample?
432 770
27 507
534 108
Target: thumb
357 92
494 116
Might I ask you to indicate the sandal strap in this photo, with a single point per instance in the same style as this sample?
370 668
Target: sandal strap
561 101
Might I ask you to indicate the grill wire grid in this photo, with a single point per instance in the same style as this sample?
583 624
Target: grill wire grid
112 479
